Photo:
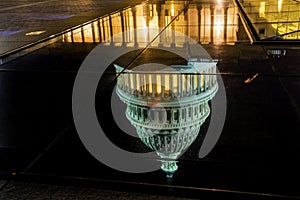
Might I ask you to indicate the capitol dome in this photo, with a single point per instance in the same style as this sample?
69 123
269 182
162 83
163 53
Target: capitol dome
168 104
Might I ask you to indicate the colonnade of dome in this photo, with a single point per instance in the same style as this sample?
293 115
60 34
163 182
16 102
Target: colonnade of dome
165 85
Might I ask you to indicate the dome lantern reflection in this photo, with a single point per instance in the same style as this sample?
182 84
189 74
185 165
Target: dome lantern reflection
168 104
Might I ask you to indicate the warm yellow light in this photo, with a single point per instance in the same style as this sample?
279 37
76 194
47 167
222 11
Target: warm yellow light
67 37
138 81
35 33
219 3
188 83
150 10
218 27
96 31
175 83
262 8
167 83
158 84
218 36
150 83
131 81
172 10
140 20
144 84
202 79
183 83
279 5
88 33
195 79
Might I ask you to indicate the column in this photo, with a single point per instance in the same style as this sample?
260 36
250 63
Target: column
172 79
179 85
199 7
93 32
111 30
191 84
225 23
154 88
186 114
173 43
164 116
142 85
103 30
134 83
147 84
139 86
123 81
123 28
82 34
187 84
172 116
171 89
142 114
212 24
127 82
180 115
193 79
158 85
199 84
163 85
130 82
159 21
134 26
136 115
195 82
99 30
201 109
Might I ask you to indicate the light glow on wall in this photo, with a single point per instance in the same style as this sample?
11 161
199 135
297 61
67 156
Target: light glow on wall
262 8
198 23
279 6
172 10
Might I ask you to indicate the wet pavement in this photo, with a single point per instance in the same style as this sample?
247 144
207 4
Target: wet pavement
255 156
23 190
27 23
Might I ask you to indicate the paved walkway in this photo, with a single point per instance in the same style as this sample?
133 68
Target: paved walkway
21 190
25 22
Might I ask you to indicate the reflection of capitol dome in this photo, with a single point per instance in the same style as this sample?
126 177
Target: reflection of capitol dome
168 104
